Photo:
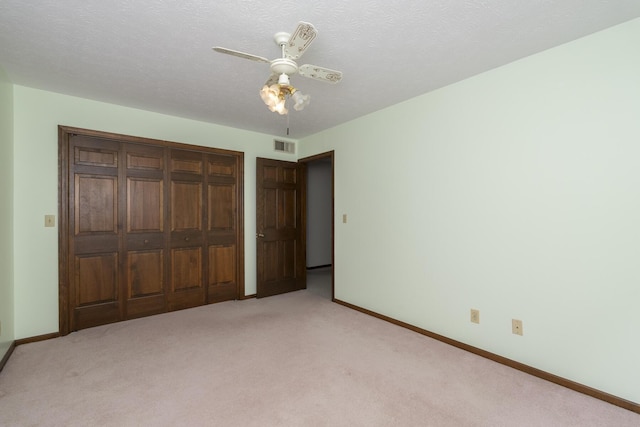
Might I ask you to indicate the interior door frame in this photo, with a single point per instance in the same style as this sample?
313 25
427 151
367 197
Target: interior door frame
306 160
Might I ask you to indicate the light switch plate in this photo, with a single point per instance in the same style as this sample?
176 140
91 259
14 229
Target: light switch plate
49 220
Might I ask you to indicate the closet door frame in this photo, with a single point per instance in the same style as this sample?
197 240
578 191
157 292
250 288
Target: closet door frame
65 308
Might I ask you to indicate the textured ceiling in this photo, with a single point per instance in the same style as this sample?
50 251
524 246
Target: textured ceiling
156 55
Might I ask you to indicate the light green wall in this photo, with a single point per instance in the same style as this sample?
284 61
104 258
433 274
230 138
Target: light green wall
515 192
37 116
6 214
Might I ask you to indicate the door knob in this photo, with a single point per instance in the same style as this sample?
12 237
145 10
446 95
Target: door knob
259 235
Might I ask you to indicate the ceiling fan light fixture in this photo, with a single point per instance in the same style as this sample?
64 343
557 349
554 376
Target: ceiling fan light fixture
274 97
301 100
280 107
283 80
278 87
271 94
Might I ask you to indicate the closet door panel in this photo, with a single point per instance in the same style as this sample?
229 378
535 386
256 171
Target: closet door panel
145 158
144 235
187 288
146 227
222 283
221 209
186 266
222 228
96 315
94 285
183 161
187 207
96 207
98 274
145 283
145 273
145 205
97 296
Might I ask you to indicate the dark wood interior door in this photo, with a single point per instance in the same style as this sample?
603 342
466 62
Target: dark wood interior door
280 227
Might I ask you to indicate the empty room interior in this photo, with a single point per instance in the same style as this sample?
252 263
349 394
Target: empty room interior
465 172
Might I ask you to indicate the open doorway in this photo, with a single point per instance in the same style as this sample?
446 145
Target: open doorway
320 226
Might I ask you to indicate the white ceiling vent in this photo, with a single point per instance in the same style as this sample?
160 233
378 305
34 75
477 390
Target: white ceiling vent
284 146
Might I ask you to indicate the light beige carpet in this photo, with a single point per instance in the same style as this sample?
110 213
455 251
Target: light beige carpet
290 360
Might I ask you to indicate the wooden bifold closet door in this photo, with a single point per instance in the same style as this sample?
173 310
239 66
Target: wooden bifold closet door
145 227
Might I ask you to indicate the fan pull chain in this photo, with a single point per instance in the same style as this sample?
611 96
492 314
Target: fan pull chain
282 45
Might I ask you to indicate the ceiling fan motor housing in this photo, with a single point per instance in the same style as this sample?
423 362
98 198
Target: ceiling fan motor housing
284 65
281 38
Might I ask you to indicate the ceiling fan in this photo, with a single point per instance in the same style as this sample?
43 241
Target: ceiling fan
278 87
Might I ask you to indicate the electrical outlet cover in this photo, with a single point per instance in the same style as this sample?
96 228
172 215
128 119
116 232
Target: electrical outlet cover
475 316
516 326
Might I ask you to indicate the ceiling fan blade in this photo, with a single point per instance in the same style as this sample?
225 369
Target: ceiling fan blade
300 40
240 54
320 73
